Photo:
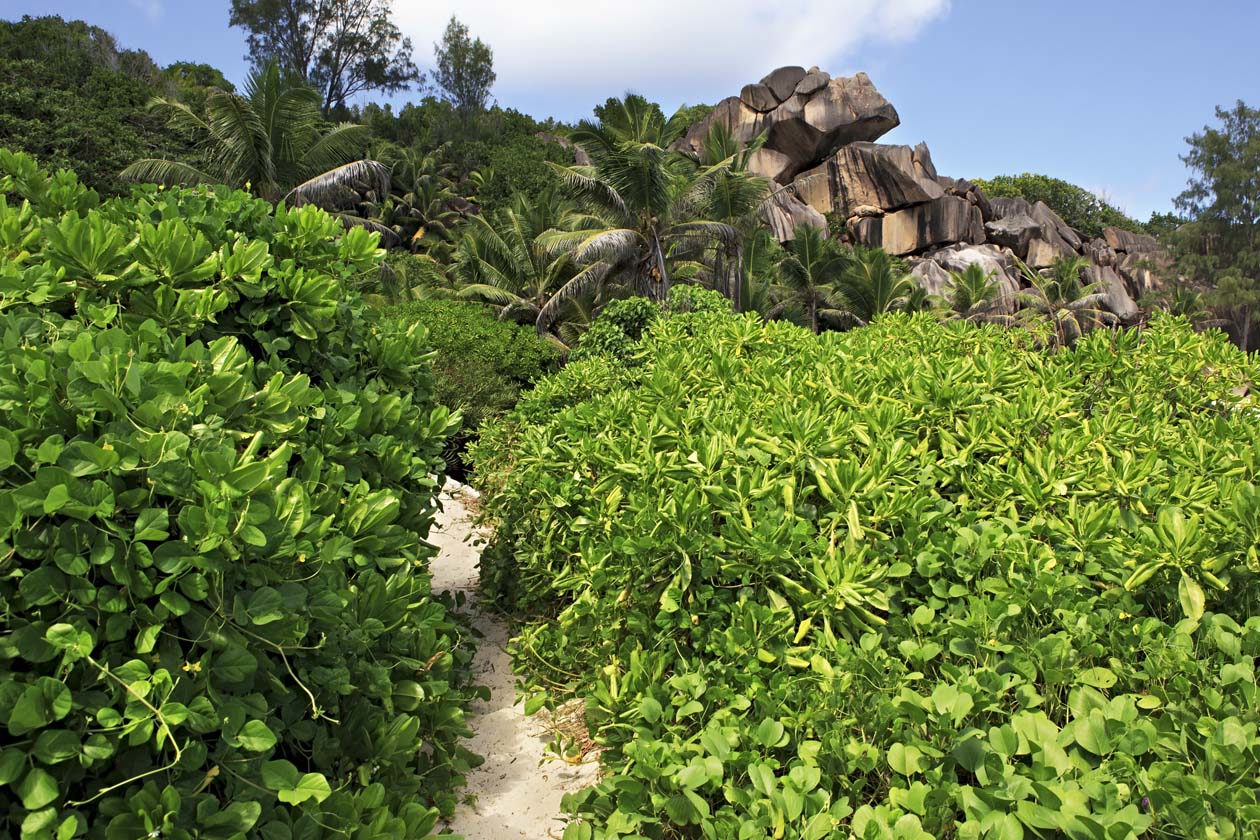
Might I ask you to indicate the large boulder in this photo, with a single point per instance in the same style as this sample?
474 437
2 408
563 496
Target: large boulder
1047 249
1015 232
758 97
1129 242
1003 207
1141 272
871 174
813 82
769 164
784 213
1051 220
1117 299
931 277
995 263
806 128
942 221
782 82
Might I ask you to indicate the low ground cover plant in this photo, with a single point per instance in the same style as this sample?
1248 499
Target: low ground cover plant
916 580
216 476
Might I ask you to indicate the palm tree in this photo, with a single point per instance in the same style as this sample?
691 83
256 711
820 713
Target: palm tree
504 261
272 140
808 276
735 198
642 201
760 253
873 282
1059 298
974 295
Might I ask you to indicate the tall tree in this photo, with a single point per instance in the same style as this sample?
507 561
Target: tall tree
1220 245
340 47
465 69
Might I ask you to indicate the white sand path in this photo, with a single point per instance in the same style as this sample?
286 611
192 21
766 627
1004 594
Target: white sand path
515 793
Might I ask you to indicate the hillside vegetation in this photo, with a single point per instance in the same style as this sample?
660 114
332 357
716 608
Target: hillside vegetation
911 581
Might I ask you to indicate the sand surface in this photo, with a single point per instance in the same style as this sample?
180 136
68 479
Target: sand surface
516 793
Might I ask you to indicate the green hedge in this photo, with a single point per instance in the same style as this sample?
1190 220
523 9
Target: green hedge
911 581
216 476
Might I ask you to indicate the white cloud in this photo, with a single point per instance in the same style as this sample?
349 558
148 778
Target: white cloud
672 50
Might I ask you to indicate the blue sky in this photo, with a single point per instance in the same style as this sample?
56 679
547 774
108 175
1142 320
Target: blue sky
1100 93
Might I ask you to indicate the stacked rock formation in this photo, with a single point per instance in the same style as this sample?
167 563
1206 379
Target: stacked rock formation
819 145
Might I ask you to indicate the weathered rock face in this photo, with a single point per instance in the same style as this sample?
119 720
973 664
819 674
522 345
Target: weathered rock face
1130 243
931 277
784 213
1015 232
758 97
874 175
1117 300
916 228
811 116
820 135
783 82
992 260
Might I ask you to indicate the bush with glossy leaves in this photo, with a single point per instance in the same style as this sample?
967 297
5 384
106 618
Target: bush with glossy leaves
914 580
216 477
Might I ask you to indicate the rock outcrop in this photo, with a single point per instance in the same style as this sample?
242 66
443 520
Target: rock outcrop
820 135
807 117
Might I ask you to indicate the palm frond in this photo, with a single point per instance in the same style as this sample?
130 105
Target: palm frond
586 187
496 295
583 282
170 173
389 238
178 115
325 189
243 147
343 144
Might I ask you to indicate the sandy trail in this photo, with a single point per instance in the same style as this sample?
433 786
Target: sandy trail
515 794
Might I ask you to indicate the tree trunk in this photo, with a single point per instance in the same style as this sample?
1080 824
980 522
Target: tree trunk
658 275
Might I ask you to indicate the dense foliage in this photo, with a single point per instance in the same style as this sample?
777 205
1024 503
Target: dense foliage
914 580
71 97
480 363
216 476
1079 207
1219 245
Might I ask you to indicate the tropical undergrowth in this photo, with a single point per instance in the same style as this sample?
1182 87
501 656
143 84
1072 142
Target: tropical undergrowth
481 363
915 580
216 477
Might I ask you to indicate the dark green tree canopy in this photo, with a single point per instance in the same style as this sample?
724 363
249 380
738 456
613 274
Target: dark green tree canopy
342 47
1079 207
1220 244
70 96
465 68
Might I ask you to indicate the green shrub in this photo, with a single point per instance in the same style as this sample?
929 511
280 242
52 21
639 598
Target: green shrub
910 581
216 476
1079 207
480 364
621 323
